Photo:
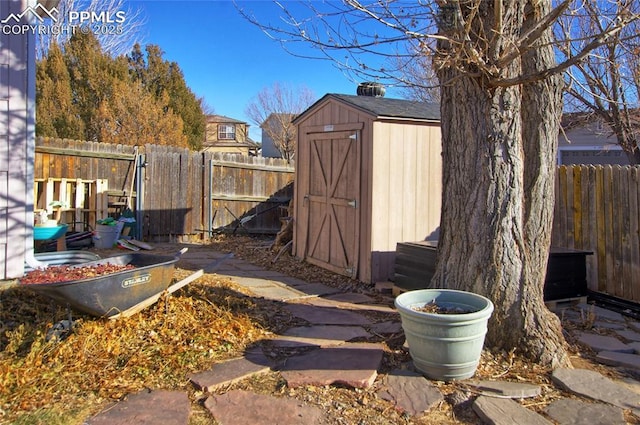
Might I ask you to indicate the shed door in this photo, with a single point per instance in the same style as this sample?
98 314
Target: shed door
333 201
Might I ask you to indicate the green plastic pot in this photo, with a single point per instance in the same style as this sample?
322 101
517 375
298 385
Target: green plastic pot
445 347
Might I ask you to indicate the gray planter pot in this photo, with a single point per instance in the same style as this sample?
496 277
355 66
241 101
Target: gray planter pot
445 347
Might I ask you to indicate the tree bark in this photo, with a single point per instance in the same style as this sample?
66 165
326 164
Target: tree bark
499 152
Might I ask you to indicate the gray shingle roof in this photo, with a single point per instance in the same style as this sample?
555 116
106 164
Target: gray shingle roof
392 108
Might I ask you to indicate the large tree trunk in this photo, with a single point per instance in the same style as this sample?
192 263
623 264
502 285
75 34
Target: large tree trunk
499 146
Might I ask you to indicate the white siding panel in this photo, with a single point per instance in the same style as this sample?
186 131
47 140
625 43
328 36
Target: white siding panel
17 89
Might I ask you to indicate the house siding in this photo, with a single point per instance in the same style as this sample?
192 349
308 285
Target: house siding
239 145
590 144
269 149
17 129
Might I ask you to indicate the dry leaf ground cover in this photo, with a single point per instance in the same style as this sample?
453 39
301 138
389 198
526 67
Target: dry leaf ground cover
210 320
102 360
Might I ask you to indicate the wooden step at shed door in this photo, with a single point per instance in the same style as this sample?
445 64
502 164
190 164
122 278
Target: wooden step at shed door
333 201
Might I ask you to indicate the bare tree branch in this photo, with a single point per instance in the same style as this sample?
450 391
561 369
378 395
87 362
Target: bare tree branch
366 54
531 35
604 82
115 39
274 108
501 103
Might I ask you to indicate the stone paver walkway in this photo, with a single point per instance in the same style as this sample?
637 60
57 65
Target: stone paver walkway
329 357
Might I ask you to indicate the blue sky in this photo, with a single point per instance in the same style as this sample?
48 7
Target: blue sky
227 60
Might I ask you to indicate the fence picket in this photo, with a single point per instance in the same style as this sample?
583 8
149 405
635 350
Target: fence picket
617 218
576 210
634 231
559 235
624 220
589 186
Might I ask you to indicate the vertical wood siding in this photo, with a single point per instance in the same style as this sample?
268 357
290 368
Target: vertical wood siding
406 188
400 183
597 207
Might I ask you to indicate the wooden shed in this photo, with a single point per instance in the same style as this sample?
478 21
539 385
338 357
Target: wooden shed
368 175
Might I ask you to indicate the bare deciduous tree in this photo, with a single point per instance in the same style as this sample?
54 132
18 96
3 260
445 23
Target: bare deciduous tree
274 108
420 81
606 83
501 103
114 38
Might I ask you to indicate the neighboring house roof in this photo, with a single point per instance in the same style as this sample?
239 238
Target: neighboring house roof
382 107
571 120
586 139
233 144
223 119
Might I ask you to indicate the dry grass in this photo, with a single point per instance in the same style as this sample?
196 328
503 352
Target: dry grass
210 320
103 360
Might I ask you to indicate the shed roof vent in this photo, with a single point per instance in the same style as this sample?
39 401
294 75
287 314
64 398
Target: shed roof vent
372 89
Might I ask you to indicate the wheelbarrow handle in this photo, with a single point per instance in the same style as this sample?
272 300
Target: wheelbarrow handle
154 298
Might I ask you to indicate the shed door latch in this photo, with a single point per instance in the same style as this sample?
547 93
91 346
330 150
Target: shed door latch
353 203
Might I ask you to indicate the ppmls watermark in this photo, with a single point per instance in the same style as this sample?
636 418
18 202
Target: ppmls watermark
33 20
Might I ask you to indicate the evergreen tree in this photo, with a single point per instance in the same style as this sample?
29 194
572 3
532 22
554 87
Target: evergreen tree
92 74
184 103
133 117
137 65
55 110
165 81
83 93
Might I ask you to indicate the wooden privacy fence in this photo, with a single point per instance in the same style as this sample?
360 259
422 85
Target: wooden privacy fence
598 209
249 193
93 179
174 193
183 195
190 195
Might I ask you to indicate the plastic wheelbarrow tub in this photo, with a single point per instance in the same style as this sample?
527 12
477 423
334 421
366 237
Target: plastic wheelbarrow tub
108 295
